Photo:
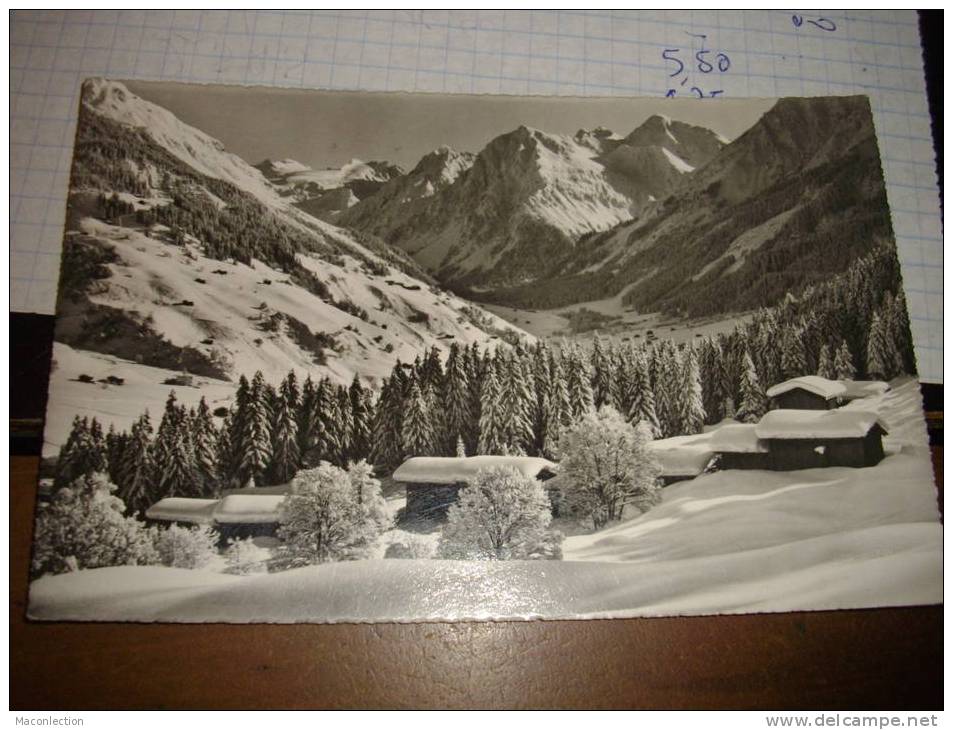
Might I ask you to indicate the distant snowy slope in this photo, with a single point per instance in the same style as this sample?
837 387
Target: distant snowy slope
326 193
181 256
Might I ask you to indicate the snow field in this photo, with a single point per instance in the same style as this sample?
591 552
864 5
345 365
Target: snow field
728 542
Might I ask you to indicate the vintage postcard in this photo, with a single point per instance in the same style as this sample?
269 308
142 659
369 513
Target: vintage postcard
328 356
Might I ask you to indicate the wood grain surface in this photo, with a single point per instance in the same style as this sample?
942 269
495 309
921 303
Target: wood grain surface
873 659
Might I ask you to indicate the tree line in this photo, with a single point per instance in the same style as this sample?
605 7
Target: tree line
502 400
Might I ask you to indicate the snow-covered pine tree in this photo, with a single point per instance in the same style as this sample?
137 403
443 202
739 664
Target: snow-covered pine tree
492 425
475 372
336 421
115 452
539 392
622 385
455 403
516 406
387 449
67 460
285 457
882 355
709 356
174 454
825 363
224 450
691 408
579 382
728 369
560 408
231 467
668 384
754 402
900 331
431 371
418 435
205 444
306 421
345 425
601 373
254 443
461 450
83 453
793 358
766 352
362 419
138 489
324 443
844 363
642 408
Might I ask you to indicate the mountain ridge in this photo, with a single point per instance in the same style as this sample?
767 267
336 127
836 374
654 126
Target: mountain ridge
176 265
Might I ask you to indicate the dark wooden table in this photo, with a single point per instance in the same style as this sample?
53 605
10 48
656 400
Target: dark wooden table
873 659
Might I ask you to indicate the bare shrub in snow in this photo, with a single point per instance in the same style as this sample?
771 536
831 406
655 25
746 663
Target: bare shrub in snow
500 515
84 526
607 466
244 557
184 547
331 514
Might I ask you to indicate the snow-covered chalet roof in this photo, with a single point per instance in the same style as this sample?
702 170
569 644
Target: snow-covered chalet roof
737 438
182 509
682 456
451 470
863 388
242 509
257 491
804 424
811 383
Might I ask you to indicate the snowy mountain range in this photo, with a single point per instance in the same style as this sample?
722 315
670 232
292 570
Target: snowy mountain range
789 203
325 193
181 256
502 216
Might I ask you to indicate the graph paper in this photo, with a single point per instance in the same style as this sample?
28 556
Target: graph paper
772 54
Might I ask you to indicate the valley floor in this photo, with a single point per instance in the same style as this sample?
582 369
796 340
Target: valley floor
727 542
611 319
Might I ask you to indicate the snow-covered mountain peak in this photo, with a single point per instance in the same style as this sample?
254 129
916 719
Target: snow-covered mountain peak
202 152
274 169
692 145
441 166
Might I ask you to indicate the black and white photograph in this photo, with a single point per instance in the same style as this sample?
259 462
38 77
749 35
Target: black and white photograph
370 357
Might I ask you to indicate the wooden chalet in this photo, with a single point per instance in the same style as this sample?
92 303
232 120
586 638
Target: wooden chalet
234 516
433 482
809 392
812 439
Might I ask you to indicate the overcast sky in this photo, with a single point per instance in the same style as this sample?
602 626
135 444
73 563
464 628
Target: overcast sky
328 128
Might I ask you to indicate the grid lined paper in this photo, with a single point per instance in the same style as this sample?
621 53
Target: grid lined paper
618 53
